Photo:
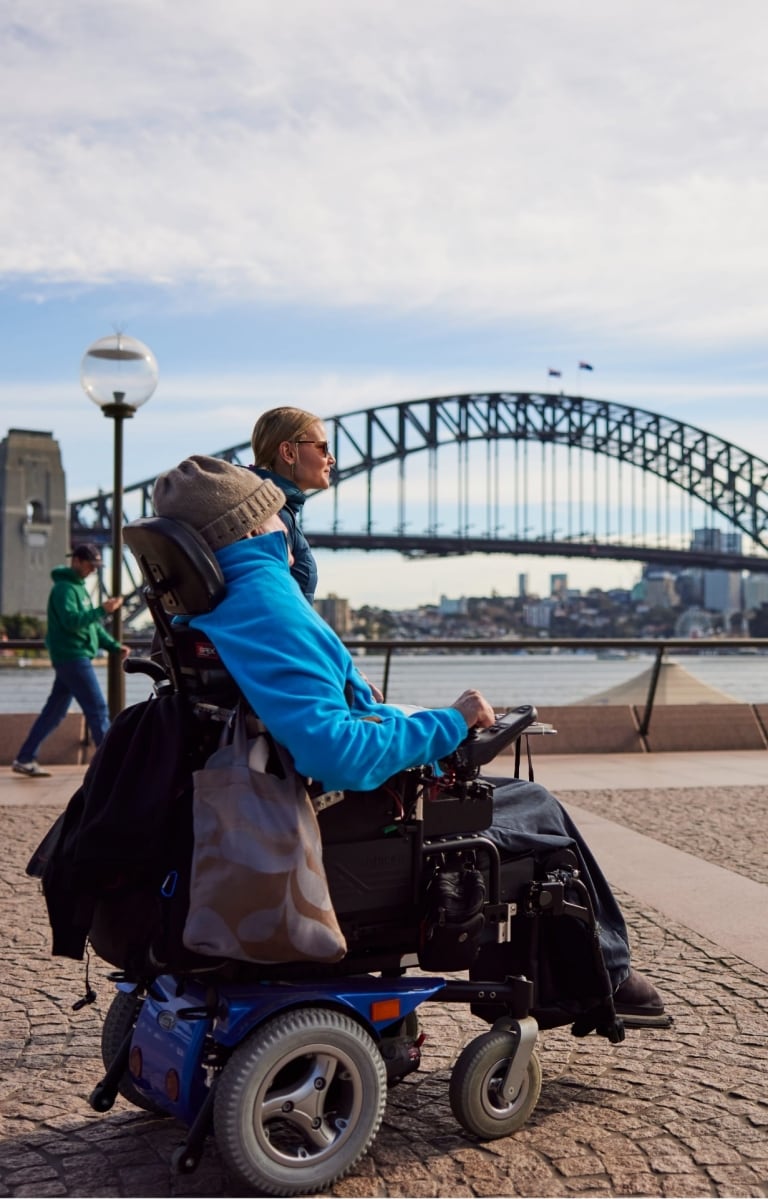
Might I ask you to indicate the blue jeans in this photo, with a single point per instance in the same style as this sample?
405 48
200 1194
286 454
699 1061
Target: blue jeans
74 680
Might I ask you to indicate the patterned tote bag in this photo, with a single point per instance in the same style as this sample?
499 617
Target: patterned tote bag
258 891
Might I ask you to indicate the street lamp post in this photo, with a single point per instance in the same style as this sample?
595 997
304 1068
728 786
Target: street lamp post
119 374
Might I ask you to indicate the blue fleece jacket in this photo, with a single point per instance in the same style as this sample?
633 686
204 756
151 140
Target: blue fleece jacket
301 680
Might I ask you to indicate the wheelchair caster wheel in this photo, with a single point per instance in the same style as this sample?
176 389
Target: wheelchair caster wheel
184 1161
476 1089
100 1099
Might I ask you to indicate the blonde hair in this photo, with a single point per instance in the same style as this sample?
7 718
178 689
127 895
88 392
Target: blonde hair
276 426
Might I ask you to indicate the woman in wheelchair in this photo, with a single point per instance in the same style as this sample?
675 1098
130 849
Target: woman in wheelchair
290 448
298 676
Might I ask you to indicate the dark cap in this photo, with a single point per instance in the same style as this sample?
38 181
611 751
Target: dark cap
87 552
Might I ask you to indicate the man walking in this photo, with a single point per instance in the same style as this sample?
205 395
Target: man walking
75 634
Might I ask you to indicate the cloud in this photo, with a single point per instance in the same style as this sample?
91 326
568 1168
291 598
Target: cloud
596 164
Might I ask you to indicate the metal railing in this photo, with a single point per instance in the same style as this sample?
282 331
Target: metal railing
538 645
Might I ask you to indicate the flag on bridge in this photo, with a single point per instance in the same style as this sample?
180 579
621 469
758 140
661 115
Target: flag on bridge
554 374
585 366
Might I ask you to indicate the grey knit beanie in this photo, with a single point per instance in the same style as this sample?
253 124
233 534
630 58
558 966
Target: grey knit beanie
223 502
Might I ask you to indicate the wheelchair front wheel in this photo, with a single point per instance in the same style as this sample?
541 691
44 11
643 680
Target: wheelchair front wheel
300 1101
475 1089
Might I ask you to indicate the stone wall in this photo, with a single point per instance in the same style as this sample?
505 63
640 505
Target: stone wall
674 728
65 747
614 729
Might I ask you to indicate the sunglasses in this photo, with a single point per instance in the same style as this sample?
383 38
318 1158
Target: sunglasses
322 446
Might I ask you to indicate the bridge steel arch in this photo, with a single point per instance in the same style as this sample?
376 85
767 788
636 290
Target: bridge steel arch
728 479
725 478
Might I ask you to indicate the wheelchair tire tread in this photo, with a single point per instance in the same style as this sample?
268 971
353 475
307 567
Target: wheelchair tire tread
283 1051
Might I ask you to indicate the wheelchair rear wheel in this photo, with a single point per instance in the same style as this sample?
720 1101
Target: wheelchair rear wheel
300 1101
475 1090
120 1019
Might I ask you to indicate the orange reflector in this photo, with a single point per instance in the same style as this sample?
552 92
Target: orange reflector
135 1062
172 1086
385 1009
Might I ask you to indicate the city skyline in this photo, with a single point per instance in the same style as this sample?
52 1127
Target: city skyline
318 204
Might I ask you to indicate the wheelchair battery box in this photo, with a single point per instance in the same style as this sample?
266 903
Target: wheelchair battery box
515 877
448 814
370 876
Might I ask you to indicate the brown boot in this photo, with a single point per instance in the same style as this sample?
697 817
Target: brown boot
639 1004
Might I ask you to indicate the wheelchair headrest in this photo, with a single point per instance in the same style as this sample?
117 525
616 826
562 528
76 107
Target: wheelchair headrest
177 565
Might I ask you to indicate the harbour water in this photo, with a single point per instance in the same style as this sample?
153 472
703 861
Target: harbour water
436 679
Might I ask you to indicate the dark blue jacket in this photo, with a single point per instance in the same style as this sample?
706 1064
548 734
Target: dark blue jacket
304 569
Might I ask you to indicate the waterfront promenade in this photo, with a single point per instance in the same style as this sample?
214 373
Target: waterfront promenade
678 1112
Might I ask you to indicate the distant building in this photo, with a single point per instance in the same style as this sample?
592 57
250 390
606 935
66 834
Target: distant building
758 623
722 591
335 612
706 539
522 585
716 541
690 587
755 591
34 532
715 590
558 584
538 615
453 607
660 590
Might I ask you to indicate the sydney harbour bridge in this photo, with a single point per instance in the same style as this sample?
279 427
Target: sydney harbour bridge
518 473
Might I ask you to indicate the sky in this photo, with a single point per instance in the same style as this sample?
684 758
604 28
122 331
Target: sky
338 205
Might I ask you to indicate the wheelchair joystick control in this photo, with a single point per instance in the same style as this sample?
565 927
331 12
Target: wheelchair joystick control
480 746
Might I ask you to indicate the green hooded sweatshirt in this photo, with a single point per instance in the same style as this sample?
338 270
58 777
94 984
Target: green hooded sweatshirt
74 624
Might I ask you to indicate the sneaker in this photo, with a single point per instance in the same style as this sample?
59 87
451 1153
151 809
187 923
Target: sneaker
639 1004
31 769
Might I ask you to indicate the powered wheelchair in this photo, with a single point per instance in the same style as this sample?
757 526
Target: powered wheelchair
289 1066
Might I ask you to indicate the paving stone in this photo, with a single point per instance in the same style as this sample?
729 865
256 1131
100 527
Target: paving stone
737 1185
682 1186
632 1182
677 1113
39 1189
30 1174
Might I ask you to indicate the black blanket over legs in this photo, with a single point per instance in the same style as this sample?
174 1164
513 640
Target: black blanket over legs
569 958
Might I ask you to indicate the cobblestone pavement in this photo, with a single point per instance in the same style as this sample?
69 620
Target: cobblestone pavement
678 1112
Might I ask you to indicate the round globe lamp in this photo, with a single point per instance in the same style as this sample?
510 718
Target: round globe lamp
119 374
